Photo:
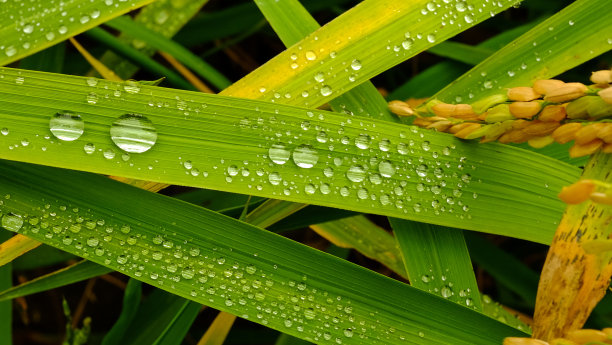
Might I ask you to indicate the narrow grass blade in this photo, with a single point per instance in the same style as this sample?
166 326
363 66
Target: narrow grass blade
164 17
232 21
367 165
6 310
471 55
438 261
230 204
160 315
14 247
286 339
271 211
138 58
309 215
178 328
292 22
28 29
43 256
218 330
203 254
372 241
131 302
179 52
338 57
74 273
505 268
104 71
544 52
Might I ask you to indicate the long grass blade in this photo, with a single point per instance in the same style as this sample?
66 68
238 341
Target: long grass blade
31 28
74 273
259 270
543 52
368 166
131 302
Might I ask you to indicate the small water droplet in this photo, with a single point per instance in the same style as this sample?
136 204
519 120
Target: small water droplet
326 90
89 148
386 168
356 65
131 86
66 126
363 141
431 38
133 133
310 55
319 77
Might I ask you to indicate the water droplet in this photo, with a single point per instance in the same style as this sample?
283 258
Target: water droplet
305 156
92 98
322 137
356 65
275 178
10 51
326 90
4 131
407 43
310 55
109 154
425 279
363 141
131 86
133 133
386 168
12 222
425 146
348 333
66 126
319 77
356 173
279 154
421 170
431 38
446 291
28 28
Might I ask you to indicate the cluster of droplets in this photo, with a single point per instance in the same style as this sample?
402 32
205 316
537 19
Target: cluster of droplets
49 21
132 133
442 286
259 290
385 172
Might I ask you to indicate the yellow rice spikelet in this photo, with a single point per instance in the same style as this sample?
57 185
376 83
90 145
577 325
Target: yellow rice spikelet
580 150
553 113
539 142
605 133
602 77
465 130
563 341
588 133
544 86
540 128
577 192
583 336
525 110
601 198
523 341
444 109
522 94
401 108
564 93
606 148
606 95
566 133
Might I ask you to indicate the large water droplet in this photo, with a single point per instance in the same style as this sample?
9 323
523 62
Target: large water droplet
279 154
305 156
363 141
386 168
356 173
66 126
133 133
12 222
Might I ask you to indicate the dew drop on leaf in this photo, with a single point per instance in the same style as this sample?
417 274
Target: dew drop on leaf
133 133
66 126
12 222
